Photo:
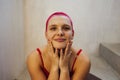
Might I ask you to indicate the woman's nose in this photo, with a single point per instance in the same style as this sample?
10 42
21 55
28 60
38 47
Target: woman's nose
60 32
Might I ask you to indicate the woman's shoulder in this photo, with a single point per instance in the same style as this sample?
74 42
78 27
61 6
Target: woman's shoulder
35 54
82 59
32 57
81 54
82 65
76 51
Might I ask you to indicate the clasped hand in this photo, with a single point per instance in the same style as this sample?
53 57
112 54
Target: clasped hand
59 58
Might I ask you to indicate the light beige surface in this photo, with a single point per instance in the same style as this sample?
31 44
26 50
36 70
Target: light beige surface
102 69
95 21
114 47
12 55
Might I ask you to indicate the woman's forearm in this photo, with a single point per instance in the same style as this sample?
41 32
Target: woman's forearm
54 74
64 74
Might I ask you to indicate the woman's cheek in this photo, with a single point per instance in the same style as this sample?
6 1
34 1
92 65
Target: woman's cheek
50 36
70 37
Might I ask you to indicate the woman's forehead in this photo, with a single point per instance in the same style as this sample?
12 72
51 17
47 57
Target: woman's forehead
57 19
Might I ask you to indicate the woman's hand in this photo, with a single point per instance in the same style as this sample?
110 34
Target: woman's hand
65 57
54 71
54 56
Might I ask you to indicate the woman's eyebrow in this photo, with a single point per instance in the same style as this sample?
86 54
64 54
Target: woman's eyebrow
66 25
52 25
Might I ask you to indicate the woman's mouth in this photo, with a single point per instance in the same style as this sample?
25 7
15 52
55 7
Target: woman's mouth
60 39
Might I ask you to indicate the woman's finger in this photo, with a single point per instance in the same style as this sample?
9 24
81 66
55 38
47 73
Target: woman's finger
66 50
51 47
68 47
56 52
61 53
69 53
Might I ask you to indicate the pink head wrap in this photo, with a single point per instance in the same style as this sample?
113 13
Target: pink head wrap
59 13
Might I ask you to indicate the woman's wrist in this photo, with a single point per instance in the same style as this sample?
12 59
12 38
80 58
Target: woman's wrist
64 74
64 69
54 68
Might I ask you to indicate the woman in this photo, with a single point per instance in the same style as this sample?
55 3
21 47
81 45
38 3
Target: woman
58 60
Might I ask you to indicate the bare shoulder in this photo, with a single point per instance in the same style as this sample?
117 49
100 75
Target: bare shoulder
34 66
81 67
83 60
82 57
33 58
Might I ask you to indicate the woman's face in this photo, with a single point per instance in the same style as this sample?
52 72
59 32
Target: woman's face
59 31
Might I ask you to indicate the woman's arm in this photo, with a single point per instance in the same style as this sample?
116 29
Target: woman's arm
81 67
65 74
54 71
33 65
35 70
64 62
54 74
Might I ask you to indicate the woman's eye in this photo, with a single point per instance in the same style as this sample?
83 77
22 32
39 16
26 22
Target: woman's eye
53 28
66 28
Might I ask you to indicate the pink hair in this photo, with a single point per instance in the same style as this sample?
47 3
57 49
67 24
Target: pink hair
59 13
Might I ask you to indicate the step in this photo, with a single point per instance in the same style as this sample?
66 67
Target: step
111 53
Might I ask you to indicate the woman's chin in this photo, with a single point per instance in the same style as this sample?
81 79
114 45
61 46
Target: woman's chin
59 46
